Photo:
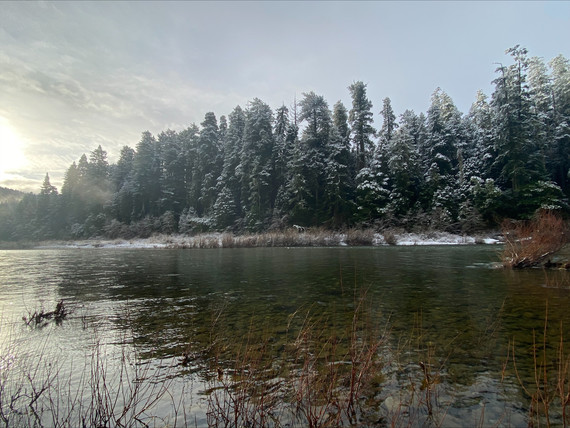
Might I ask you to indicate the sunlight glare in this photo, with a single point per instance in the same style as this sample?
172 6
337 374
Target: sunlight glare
11 151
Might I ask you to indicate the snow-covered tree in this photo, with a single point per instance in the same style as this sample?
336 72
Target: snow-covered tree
559 153
256 165
208 166
339 178
146 177
361 119
228 208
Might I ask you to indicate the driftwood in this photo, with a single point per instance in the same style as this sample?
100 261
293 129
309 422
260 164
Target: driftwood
40 318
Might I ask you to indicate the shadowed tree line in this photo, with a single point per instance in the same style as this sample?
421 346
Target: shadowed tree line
259 169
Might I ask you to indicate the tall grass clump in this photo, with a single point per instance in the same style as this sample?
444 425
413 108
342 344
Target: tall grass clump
38 389
360 237
548 388
320 380
530 243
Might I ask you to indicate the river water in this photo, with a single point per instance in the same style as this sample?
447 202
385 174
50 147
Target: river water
456 334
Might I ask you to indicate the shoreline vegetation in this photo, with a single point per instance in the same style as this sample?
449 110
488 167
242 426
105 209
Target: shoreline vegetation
287 238
327 378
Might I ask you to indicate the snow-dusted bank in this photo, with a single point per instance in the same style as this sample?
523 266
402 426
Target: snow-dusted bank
285 239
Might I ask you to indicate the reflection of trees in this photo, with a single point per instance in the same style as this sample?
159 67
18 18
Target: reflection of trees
208 303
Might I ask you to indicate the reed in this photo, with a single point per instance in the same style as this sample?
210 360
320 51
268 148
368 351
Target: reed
548 388
37 391
321 380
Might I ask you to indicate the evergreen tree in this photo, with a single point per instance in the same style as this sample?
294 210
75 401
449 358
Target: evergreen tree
47 211
227 208
339 173
445 142
403 172
559 151
123 183
98 168
389 125
173 173
146 177
310 160
361 119
256 165
189 140
518 155
47 189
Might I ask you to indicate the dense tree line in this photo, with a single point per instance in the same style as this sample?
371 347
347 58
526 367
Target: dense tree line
258 169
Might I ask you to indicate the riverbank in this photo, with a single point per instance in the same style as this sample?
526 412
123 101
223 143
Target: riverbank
288 238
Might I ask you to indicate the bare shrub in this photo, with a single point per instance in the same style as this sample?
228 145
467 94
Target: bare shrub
529 243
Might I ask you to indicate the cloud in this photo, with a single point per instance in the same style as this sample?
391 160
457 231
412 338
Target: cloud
79 74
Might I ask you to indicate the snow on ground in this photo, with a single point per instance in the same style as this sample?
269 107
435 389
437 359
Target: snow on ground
441 238
215 240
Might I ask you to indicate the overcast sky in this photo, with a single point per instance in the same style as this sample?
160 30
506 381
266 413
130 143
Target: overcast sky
79 74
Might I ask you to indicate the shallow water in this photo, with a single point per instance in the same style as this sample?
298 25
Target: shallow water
448 307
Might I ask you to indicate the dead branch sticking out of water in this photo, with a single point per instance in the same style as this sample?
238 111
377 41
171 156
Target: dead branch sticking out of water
40 318
530 243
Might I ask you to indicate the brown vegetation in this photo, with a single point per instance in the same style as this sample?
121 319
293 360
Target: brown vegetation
549 388
530 243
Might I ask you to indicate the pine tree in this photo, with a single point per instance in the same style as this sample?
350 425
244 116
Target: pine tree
445 143
403 172
361 119
209 165
389 125
173 173
189 140
227 208
518 155
256 165
47 211
47 189
124 186
146 177
559 152
311 157
339 174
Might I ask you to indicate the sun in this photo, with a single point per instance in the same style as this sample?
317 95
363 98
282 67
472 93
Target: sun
12 155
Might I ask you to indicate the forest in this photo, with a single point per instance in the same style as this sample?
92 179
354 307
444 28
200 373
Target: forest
260 169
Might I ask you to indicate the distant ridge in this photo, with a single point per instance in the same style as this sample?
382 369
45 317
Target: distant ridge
10 195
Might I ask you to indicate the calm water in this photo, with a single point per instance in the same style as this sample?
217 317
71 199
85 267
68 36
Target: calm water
443 306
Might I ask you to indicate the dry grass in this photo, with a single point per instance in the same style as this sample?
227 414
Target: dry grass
549 388
35 392
530 243
320 381
360 237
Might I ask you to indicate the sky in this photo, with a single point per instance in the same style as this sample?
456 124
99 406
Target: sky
75 75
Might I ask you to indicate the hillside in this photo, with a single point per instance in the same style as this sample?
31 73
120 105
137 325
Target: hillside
10 195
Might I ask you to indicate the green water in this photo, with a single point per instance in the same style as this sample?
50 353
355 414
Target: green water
448 306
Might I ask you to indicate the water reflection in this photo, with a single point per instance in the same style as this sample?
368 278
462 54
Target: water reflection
446 306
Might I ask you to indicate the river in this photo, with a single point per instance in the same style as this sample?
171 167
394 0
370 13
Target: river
452 334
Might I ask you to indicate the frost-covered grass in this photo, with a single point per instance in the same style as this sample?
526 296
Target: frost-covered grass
286 238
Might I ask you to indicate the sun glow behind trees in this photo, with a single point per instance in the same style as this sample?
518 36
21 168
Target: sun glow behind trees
310 166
